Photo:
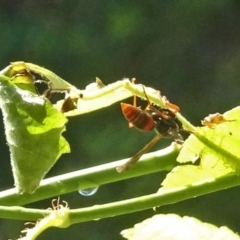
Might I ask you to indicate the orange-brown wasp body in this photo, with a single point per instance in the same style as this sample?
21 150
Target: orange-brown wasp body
162 120
137 117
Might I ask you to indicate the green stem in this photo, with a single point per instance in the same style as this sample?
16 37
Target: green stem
21 213
161 160
163 197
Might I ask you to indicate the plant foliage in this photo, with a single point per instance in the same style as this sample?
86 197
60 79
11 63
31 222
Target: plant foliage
208 160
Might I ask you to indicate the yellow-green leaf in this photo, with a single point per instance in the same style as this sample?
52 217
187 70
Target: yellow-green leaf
33 130
216 159
174 227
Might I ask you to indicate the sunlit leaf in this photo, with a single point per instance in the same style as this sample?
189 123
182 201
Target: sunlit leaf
225 135
105 97
190 175
33 130
95 96
174 227
220 159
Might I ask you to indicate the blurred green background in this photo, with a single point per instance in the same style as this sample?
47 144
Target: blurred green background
189 50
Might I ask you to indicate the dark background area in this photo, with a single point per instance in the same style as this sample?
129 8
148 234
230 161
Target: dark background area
189 50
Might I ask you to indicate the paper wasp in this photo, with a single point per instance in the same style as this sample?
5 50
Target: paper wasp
162 120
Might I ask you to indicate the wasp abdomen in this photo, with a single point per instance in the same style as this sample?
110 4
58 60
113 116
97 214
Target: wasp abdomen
137 117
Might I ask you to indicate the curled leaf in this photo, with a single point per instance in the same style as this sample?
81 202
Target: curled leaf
33 129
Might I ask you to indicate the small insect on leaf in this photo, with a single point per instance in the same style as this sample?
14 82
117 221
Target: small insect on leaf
213 119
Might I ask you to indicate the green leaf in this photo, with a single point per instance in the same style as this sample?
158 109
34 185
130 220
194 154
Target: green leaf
174 227
221 158
16 68
33 130
224 135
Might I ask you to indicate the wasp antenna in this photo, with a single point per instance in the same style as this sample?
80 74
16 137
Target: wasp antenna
144 91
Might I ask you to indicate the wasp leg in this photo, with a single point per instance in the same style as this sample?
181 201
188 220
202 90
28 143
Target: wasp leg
173 108
138 155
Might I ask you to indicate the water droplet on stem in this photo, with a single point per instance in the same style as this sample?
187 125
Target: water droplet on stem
88 191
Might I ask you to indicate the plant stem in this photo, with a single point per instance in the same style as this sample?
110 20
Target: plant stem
161 160
21 213
163 197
